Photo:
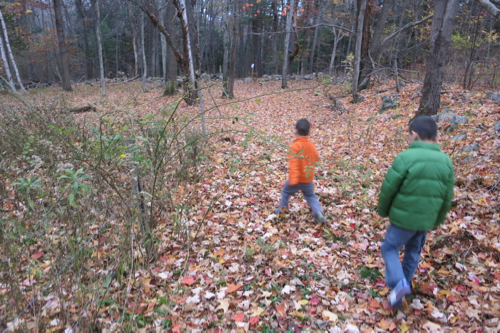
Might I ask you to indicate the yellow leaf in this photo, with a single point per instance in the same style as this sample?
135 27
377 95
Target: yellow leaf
28 11
221 261
297 314
257 311
403 328
330 316
303 302
445 293
454 319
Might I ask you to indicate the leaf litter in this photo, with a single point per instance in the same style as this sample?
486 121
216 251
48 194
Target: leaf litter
250 269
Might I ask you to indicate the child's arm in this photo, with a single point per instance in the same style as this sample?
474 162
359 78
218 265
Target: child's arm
390 187
294 166
450 183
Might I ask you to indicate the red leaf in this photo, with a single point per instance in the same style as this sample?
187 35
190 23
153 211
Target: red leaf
253 320
268 272
189 280
231 288
239 317
37 255
314 300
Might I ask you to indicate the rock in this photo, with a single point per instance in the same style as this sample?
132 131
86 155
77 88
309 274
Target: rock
357 99
402 84
308 77
371 119
450 117
394 116
495 98
379 91
450 128
459 137
248 79
496 126
298 78
472 147
388 103
239 81
467 96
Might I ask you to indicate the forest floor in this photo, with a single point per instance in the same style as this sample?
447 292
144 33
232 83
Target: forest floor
247 269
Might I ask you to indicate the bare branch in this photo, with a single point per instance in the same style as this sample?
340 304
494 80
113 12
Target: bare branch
491 6
409 25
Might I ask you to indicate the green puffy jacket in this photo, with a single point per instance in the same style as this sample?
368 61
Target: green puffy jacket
418 188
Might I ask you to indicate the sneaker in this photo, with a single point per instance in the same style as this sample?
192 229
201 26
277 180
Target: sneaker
397 294
320 218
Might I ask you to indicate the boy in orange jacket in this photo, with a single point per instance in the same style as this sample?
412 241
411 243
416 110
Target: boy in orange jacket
301 167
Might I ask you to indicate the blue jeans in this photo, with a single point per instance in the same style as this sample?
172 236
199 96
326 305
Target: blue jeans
395 239
308 191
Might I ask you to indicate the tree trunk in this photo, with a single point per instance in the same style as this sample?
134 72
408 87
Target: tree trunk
63 48
227 46
286 56
379 28
88 63
9 52
335 44
99 46
134 40
357 48
275 36
163 43
6 65
171 74
234 43
192 78
143 54
445 12
365 64
315 38
257 45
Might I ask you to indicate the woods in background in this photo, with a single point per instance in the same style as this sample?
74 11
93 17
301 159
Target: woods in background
64 41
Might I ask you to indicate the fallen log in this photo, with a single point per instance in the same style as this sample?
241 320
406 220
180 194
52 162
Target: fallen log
81 109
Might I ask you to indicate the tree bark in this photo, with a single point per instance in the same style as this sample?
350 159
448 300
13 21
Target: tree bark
445 12
365 62
315 38
286 56
275 36
171 74
99 46
83 17
9 79
63 48
357 48
163 42
143 55
227 46
234 43
9 52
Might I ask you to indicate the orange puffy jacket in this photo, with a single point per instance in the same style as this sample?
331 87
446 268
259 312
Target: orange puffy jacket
302 160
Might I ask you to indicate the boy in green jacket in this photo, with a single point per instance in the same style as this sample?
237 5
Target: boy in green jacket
416 196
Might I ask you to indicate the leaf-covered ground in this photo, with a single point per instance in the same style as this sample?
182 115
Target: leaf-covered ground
250 270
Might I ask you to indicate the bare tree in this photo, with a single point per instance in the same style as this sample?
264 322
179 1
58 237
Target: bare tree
9 52
227 46
234 44
63 48
143 55
99 46
286 56
357 49
171 73
445 13
6 64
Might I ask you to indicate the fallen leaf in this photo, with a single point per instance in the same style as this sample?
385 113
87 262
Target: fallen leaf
330 316
253 320
223 305
239 317
189 280
37 255
231 288
387 325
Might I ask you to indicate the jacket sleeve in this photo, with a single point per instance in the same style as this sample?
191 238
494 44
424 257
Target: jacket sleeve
294 165
390 186
450 183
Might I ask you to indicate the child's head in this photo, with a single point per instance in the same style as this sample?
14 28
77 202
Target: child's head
423 129
302 127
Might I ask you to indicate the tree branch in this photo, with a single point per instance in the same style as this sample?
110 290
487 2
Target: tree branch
491 6
409 25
